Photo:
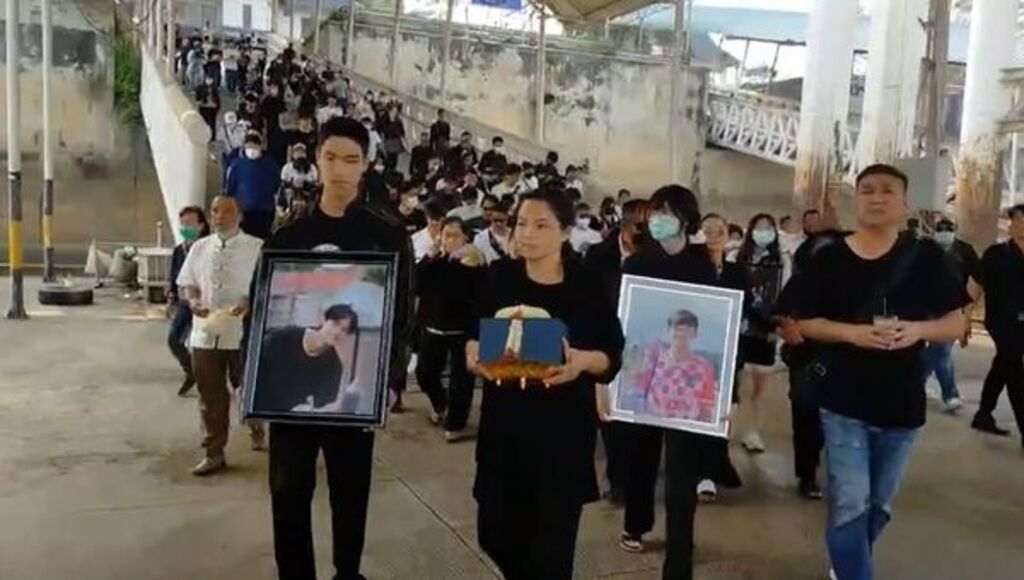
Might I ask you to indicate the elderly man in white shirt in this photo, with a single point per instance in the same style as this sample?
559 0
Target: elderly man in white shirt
215 280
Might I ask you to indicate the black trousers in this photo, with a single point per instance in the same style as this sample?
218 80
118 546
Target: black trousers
682 465
436 353
616 455
177 334
808 440
348 453
642 454
1007 370
209 114
258 223
527 537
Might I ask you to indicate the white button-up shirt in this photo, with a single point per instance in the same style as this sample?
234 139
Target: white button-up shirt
222 271
485 242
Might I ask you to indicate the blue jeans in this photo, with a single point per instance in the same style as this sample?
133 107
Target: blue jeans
939 359
865 466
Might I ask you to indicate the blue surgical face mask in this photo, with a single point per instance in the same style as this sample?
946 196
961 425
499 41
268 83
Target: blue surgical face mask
663 226
763 237
945 239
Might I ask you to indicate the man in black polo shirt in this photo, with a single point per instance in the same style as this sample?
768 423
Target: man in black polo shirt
1002 274
872 301
340 222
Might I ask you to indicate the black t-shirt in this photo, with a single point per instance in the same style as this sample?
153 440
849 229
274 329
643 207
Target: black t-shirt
1003 278
414 221
882 388
447 292
963 261
283 359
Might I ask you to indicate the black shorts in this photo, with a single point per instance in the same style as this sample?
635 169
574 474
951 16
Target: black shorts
758 351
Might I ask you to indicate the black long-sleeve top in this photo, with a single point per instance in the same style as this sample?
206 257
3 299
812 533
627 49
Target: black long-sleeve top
447 292
542 439
177 261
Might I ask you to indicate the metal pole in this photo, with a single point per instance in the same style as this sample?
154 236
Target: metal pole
158 22
316 28
674 94
274 12
446 51
771 73
169 37
541 72
396 37
743 66
47 14
350 34
14 249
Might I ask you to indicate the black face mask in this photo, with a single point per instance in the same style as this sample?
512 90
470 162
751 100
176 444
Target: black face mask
302 164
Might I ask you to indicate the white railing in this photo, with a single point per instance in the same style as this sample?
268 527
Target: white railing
761 126
767 127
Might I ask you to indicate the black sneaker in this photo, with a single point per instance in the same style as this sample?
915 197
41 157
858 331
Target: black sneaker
186 385
808 489
986 424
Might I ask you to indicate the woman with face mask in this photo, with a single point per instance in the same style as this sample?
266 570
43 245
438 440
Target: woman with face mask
208 101
193 225
674 216
299 174
761 256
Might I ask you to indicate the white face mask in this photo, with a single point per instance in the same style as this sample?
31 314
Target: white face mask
583 221
253 152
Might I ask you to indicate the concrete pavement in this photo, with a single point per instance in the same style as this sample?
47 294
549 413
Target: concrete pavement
95 449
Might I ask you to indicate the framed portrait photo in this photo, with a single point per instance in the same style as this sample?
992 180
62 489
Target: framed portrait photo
680 359
320 341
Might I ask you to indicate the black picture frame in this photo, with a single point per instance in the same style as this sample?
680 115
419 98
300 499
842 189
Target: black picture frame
272 263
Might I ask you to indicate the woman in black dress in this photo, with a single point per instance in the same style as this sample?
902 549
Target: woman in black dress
674 217
535 452
761 257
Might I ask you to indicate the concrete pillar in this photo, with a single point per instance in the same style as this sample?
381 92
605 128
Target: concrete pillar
396 38
446 51
895 50
14 216
540 74
275 11
316 27
676 95
350 34
986 101
825 100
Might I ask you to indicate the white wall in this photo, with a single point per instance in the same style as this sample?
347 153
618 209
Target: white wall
178 138
261 14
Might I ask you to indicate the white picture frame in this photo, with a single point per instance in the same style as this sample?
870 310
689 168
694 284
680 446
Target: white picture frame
663 320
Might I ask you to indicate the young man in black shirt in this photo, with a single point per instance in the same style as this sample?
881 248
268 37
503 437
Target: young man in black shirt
1002 275
872 301
440 134
341 222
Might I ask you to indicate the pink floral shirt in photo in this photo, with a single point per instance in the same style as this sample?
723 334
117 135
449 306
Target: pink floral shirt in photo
677 389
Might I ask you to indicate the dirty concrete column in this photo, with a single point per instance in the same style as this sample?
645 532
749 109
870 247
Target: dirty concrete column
396 37
895 50
676 94
47 38
825 100
938 62
14 217
986 102
274 11
316 27
350 34
446 51
540 74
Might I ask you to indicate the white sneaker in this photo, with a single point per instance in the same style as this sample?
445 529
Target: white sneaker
209 466
832 574
707 491
953 405
411 369
753 442
454 436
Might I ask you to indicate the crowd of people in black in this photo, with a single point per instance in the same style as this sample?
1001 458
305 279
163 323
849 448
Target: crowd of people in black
861 317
